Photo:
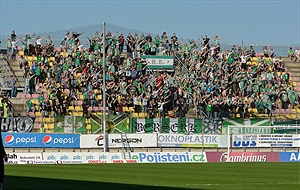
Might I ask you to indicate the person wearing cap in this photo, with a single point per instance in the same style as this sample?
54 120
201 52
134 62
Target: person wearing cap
3 159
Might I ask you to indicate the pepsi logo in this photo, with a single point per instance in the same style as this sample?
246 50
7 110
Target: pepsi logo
47 140
9 139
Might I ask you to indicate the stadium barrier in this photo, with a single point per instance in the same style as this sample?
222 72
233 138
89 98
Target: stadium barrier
155 140
149 157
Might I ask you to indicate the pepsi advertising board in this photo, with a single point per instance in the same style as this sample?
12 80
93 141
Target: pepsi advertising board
36 140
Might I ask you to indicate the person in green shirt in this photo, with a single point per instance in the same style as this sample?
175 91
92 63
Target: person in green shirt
38 74
208 109
291 54
29 106
3 159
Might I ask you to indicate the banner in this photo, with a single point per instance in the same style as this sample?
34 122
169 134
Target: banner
159 62
289 156
250 130
70 124
168 157
180 140
121 126
23 158
17 124
116 141
38 140
243 157
167 125
213 126
82 157
268 140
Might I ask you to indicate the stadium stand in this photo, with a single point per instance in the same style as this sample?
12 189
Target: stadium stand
206 81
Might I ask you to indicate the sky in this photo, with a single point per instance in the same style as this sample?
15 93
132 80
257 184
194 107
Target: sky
271 22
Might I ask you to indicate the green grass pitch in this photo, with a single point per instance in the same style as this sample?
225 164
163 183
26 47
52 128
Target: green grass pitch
220 176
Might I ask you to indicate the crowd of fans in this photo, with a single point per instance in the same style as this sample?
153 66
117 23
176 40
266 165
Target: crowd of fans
213 82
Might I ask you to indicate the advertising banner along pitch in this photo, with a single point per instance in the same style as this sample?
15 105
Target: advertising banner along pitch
37 140
115 140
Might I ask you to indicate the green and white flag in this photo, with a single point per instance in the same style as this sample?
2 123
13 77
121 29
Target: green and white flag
213 126
167 125
70 124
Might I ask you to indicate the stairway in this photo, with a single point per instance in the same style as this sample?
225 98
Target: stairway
19 106
294 69
14 64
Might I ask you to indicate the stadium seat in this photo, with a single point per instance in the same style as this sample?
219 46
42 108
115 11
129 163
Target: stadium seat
51 126
282 111
78 108
125 109
38 114
21 53
135 115
79 102
35 101
47 120
143 115
131 109
29 58
39 119
99 97
37 125
34 96
71 108
95 108
88 127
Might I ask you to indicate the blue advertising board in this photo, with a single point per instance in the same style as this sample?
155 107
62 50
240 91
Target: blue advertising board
289 156
37 140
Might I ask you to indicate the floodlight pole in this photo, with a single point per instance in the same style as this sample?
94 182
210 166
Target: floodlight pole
104 90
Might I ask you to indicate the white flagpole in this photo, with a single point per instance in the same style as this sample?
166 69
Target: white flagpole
104 90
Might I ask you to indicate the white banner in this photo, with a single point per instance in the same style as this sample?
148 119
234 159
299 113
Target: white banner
69 120
23 158
270 140
115 140
82 157
181 140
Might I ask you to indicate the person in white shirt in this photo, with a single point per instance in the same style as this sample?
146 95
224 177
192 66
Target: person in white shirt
297 54
39 40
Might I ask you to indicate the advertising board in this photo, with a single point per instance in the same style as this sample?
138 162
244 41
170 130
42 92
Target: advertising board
243 157
168 157
82 157
37 140
289 156
115 140
181 140
266 140
23 158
